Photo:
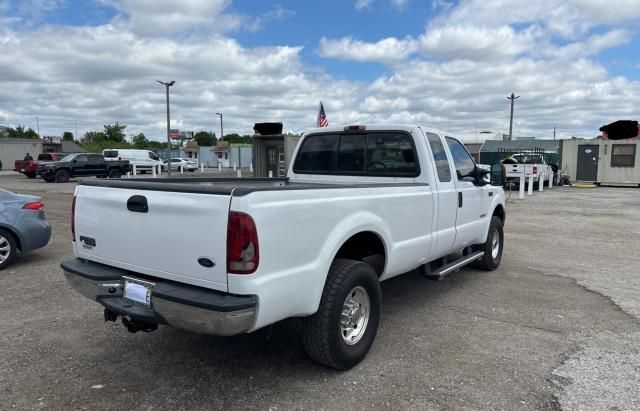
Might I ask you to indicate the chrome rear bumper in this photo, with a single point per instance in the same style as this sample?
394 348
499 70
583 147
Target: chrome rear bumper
178 305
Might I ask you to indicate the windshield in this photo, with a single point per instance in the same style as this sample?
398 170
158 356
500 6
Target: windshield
110 153
68 157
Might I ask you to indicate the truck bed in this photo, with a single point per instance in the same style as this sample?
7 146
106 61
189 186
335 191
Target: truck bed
221 186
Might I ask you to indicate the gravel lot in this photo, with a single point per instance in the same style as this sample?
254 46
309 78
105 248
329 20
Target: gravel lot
555 326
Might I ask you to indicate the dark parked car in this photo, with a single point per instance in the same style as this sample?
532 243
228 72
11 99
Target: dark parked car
82 165
23 226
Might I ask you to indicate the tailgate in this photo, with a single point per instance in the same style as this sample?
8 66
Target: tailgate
166 241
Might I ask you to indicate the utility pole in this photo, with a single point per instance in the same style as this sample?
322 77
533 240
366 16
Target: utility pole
167 85
554 134
221 129
77 132
38 125
513 98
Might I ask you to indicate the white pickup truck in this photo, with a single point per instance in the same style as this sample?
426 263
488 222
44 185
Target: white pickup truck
359 205
529 165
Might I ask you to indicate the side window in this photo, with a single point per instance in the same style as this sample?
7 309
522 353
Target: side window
81 158
440 157
461 158
623 155
351 152
391 154
95 159
317 154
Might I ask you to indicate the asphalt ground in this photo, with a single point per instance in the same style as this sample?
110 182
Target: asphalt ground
556 326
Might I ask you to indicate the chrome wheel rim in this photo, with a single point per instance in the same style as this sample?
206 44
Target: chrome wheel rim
355 315
5 249
495 244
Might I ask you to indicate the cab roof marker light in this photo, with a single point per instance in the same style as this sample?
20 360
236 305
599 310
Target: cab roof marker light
355 128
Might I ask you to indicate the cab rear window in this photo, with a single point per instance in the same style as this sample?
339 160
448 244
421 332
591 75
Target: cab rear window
44 157
390 154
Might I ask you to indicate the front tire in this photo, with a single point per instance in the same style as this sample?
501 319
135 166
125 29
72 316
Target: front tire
115 173
62 176
492 247
341 332
7 248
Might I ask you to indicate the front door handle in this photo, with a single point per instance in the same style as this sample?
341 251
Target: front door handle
459 199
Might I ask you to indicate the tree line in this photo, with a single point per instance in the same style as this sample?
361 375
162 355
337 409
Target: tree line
113 136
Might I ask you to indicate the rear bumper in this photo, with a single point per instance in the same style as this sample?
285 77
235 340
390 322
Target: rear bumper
178 305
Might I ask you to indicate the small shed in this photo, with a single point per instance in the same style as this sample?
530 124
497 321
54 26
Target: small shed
602 161
272 150
494 151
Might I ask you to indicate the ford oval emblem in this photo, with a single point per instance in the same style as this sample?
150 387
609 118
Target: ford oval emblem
206 262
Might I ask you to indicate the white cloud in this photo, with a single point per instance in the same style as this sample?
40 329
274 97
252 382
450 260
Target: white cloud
399 4
363 4
385 50
99 75
453 76
166 17
279 13
476 43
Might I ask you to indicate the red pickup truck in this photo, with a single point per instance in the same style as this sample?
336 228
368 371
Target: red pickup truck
29 167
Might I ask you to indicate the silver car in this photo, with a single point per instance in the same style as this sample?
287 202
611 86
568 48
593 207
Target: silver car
23 226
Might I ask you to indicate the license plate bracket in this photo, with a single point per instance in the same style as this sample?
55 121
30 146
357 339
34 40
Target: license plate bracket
137 291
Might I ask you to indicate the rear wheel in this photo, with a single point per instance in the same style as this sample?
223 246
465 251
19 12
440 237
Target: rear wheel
341 333
30 175
62 176
492 247
115 173
7 248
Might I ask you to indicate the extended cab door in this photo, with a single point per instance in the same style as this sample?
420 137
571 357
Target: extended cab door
472 199
446 197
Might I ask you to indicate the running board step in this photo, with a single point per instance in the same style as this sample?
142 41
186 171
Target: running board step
448 268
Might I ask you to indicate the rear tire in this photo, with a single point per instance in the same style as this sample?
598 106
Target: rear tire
350 299
30 175
115 173
62 176
8 248
492 247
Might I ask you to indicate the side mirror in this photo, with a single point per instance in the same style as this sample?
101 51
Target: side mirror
498 175
482 174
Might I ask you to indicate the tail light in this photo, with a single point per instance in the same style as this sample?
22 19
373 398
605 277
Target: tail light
36 206
242 244
73 218
535 169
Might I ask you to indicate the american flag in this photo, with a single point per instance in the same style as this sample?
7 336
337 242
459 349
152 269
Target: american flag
322 117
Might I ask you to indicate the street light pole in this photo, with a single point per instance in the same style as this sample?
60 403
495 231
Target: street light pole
513 98
221 129
167 85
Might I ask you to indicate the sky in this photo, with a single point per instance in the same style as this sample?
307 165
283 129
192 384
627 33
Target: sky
450 65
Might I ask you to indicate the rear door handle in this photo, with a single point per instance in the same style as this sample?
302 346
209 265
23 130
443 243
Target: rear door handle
138 204
459 199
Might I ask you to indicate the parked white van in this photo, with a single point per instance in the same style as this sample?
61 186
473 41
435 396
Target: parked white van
144 160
